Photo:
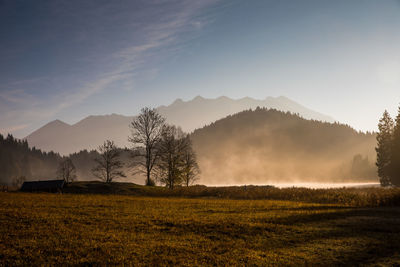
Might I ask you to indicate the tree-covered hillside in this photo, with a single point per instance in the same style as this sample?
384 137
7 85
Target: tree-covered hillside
17 159
266 145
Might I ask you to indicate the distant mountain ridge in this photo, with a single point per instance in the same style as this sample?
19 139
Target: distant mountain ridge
91 131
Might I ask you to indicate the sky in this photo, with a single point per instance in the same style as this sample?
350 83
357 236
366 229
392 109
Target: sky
70 59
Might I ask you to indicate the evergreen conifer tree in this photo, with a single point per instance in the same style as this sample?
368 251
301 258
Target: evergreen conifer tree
384 149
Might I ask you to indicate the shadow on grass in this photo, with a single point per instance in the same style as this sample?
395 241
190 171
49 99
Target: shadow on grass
278 208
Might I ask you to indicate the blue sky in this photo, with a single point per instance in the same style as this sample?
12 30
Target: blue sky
70 59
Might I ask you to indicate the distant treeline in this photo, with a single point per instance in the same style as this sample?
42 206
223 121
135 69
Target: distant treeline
18 160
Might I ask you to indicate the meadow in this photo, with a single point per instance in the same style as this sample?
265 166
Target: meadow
92 229
361 197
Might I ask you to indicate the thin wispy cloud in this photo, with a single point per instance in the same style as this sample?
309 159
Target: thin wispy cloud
145 38
70 59
16 96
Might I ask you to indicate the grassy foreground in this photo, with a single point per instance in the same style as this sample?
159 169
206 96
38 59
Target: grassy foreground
42 229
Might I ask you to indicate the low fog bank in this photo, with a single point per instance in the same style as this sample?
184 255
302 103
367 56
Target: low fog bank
312 185
258 168
270 147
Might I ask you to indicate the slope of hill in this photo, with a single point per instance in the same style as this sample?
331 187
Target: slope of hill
90 132
264 146
200 111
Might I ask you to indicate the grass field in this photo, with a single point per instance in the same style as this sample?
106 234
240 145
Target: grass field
39 229
361 197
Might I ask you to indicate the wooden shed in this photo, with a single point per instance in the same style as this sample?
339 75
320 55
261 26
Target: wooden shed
53 186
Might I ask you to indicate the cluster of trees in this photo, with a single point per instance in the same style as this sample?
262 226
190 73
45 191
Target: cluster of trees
388 150
19 162
177 162
160 151
108 165
164 152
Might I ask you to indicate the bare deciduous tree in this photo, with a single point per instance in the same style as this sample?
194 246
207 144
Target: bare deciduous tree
146 132
66 170
108 165
190 168
169 165
177 162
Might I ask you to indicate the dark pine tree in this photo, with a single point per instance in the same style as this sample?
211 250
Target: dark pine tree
384 148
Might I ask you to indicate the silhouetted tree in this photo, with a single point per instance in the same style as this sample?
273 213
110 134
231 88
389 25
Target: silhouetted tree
190 168
66 170
384 148
388 150
177 163
170 150
108 164
395 153
146 132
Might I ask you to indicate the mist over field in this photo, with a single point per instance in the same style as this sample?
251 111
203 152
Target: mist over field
268 146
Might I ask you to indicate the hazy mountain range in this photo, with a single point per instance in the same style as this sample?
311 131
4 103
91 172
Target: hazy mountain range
90 132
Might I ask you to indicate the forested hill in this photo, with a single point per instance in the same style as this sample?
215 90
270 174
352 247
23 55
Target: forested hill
18 159
266 145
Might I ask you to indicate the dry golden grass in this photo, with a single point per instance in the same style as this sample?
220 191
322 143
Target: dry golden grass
361 197
54 229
